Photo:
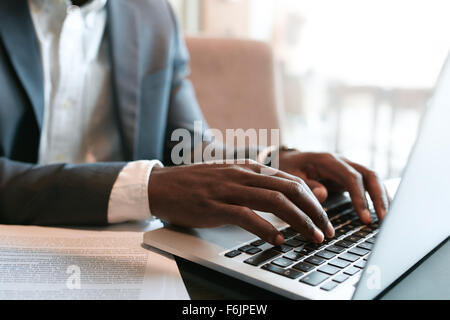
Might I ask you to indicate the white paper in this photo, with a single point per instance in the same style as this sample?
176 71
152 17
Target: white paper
60 263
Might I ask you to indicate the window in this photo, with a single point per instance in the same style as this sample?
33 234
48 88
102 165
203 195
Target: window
356 74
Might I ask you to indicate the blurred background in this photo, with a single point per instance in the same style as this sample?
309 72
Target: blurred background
354 75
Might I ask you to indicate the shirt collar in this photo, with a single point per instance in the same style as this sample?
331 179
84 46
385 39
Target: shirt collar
50 5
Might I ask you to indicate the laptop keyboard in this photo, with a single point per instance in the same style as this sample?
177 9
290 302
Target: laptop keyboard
327 264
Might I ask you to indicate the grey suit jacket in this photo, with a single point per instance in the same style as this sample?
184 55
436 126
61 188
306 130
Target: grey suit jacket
152 98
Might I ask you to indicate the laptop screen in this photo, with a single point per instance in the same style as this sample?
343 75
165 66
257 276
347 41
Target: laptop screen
418 220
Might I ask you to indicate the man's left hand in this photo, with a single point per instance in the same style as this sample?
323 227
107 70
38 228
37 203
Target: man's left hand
325 172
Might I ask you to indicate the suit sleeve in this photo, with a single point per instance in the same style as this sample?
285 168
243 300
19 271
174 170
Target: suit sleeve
59 194
184 110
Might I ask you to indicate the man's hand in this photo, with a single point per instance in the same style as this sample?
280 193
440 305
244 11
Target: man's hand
211 195
324 172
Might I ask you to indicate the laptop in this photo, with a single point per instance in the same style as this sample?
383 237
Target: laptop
361 261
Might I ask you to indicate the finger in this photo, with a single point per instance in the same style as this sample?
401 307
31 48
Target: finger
375 187
318 189
300 194
257 168
276 202
335 169
247 219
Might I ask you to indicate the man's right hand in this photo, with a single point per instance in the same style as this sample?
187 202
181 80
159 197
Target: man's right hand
212 195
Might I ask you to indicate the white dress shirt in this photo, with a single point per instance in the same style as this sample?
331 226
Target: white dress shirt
79 124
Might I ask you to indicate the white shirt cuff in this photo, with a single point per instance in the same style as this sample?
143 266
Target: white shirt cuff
129 200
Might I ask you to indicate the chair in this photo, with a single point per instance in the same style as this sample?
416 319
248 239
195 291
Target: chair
235 83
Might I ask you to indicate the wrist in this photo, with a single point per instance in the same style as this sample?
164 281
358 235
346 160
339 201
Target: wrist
269 154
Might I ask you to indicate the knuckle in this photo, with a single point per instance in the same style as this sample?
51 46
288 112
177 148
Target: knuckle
296 188
373 175
241 216
252 162
235 169
356 177
322 219
277 196
328 156
309 226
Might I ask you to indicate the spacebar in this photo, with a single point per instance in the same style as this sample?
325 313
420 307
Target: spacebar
263 257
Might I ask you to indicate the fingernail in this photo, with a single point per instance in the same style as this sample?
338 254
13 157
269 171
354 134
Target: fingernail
279 240
330 230
367 218
318 235
383 213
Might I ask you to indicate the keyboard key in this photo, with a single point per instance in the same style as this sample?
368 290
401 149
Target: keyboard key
262 257
341 278
359 251
334 249
301 238
292 273
282 262
344 244
294 243
314 246
329 269
349 257
353 239
283 248
289 273
371 240
245 248
288 233
361 234
232 254
326 254
339 233
304 251
365 245
347 228
351 271
314 278
315 260
303 266
253 251
330 285
258 243
361 264
339 263
295 256
336 222
367 229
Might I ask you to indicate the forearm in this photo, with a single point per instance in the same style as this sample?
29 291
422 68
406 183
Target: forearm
59 194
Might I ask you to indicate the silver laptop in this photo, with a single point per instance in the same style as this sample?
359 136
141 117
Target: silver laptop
361 261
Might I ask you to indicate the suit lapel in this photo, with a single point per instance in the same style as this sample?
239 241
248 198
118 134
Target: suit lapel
20 41
124 44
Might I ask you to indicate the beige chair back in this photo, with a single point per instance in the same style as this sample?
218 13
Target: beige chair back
235 83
